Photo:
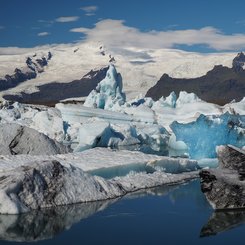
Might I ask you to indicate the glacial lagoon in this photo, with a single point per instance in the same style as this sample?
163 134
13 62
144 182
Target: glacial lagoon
162 215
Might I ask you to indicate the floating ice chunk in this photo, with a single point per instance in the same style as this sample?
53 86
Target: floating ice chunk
169 101
154 138
49 184
108 92
236 107
203 135
80 114
177 148
208 163
17 139
102 161
143 137
94 133
186 98
43 119
50 123
141 113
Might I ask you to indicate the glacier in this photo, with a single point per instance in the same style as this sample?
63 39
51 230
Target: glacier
118 146
140 124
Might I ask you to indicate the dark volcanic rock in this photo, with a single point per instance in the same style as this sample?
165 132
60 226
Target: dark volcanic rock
52 93
16 139
225 187
239 62
220 85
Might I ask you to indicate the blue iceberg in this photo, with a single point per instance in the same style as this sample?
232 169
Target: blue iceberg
203 135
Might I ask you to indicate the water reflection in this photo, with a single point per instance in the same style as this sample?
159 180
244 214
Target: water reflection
45 224
170 207
221 221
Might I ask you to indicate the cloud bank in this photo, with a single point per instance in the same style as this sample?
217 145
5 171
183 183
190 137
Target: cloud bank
116 33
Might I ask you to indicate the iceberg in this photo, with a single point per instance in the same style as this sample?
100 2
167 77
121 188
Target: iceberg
17 139
41 118
203 135
100 133
104 160
108 92
30 183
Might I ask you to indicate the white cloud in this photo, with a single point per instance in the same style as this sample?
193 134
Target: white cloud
64 19
90 10
2 27
115 33
43 34
90 14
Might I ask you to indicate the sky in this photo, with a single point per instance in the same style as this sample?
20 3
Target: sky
192 25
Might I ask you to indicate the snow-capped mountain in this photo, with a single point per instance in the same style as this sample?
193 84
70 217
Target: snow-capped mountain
53 92
139 68
33 65
220 85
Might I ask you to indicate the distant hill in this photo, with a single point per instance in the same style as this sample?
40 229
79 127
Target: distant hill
220 85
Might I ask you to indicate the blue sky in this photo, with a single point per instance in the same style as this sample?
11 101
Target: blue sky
195 25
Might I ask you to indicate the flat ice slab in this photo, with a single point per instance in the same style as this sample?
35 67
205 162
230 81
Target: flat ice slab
104 158
34 182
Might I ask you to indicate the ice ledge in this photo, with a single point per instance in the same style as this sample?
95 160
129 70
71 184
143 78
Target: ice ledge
49 184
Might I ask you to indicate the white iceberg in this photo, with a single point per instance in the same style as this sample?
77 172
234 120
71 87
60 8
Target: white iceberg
108 92
29 183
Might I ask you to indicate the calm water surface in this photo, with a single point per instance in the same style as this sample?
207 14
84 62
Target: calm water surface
166 215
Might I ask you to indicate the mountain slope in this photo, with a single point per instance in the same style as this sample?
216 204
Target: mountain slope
220 85
52 93
139 68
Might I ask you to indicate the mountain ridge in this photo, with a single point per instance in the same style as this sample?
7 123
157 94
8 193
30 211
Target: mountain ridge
220 85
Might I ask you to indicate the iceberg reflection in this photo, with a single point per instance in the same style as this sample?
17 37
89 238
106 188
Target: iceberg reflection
221 221
44 224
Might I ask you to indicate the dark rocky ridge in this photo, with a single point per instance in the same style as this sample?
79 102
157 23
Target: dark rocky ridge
220 85
33 67
52 93
225 187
